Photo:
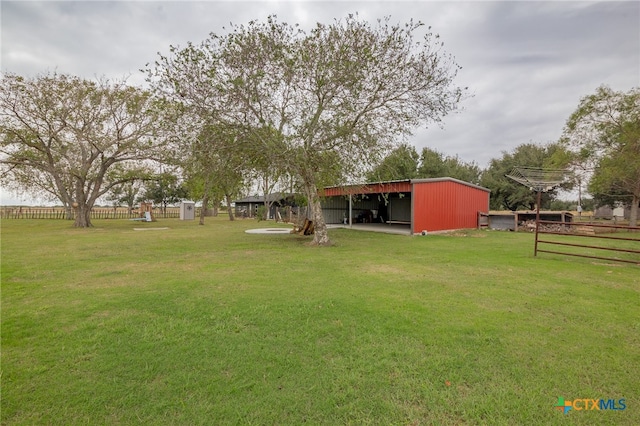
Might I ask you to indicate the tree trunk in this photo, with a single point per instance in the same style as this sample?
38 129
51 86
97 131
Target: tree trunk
82 207
203 210
83 216
229 210
633 214
69 212
267 206
205 198
320 235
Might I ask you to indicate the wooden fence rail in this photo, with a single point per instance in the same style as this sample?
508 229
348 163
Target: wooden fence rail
96 213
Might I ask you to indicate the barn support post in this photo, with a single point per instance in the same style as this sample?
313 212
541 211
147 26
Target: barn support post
350 211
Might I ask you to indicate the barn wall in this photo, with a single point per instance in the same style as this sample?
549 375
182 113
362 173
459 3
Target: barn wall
399 209
444 205
502 222
335 209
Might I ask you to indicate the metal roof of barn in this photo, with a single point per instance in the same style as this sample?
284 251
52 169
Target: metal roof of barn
391 186
369 188
450 179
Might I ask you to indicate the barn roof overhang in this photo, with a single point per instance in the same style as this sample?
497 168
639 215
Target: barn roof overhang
450 179
369 188
392 186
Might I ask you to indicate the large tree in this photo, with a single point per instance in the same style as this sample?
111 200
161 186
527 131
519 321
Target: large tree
164 189
405 163
127 193
604 132
340 95
64 135
401 163
217 164
263 148
434 164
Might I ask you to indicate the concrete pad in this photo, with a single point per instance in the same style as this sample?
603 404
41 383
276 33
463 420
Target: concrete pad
149 229
376 227
269 231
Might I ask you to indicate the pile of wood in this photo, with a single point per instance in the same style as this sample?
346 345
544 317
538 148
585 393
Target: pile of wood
530 226
306 229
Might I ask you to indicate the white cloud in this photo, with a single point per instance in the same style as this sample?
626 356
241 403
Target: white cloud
527 63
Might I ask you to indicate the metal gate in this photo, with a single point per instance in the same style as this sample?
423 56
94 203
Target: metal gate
608 235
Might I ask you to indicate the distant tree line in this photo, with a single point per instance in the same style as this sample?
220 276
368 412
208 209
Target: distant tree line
265 102
271 106
405 163
599 149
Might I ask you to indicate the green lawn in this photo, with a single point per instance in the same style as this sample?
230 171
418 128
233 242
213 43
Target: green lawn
210 325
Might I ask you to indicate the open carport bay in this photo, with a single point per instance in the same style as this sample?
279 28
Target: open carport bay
368 208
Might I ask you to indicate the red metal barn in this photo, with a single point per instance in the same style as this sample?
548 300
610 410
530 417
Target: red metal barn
442 204
419 204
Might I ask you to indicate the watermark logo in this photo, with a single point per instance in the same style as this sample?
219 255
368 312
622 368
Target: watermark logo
586 404
563 405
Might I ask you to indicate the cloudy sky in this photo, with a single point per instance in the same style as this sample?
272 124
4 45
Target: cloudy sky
527 63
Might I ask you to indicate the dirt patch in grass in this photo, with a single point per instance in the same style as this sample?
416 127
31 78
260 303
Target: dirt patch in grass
466 233
383 269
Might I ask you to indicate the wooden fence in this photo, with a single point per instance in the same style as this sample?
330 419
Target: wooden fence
96 213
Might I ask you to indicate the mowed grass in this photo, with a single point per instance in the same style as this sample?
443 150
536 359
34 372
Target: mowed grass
210 325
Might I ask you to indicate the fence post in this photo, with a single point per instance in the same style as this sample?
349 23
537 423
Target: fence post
535 250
